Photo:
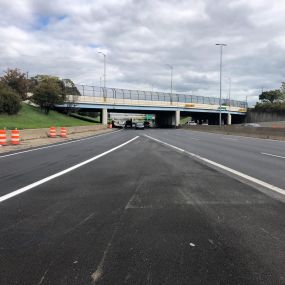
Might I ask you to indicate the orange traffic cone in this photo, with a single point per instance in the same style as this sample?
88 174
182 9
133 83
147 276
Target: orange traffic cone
3 137
63 132
15 137
52 132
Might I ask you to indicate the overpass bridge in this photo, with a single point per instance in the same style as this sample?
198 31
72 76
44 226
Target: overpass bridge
167 107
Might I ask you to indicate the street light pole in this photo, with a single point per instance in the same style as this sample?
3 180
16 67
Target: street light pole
230 85
221 69
100 84
104 67
171 75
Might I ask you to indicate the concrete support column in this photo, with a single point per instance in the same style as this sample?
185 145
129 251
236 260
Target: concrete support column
177 118
104 116
229 118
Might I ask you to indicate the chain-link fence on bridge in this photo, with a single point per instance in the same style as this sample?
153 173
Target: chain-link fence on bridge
117 93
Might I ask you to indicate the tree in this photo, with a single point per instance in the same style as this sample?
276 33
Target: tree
71 93
36 80
271 96
10 101
47 92
69 87
16 80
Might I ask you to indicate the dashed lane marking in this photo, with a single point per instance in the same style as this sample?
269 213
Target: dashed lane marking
274 155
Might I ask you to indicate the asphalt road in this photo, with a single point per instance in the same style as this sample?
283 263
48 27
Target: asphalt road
143 213
260 158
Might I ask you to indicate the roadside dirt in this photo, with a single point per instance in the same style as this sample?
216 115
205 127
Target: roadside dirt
46 141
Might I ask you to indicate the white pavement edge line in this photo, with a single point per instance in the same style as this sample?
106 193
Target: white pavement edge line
274 155
44 180
59 144
235 172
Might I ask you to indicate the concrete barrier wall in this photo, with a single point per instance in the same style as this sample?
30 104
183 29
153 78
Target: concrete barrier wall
261 132
255 117
29 134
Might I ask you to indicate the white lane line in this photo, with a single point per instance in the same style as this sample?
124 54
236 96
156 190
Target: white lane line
44 180
274 155
235 172
194 139
55 145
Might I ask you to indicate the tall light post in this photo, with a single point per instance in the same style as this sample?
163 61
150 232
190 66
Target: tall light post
100 84
230 85
104 67
221 69
171 75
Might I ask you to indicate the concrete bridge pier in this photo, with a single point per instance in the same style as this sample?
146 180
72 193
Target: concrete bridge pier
104 116
177 118
229 119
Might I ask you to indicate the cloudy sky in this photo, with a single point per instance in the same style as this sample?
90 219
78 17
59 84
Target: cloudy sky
63 37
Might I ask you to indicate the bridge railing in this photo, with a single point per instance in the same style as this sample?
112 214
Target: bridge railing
116 93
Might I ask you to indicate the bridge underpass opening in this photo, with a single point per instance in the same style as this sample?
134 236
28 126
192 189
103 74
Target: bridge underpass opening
169 119
213 118
161 119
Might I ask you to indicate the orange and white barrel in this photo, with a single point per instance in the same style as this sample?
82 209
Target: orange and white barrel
3 137
15 137
52 132
63 132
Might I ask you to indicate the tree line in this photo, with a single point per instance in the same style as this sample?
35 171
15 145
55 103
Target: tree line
43 90
272 100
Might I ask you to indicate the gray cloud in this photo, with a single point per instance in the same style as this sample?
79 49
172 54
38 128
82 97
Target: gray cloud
140 37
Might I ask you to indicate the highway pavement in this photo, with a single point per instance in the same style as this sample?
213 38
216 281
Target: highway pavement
260 158
130 208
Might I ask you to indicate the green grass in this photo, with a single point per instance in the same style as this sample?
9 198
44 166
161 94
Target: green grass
185 120
31 117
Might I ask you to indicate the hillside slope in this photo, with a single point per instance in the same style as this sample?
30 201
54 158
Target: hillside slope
31 117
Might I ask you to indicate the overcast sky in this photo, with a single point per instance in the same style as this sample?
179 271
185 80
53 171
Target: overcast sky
63 37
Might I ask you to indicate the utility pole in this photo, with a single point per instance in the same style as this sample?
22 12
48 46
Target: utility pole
171 76
100 85
230 85
221 70
104 67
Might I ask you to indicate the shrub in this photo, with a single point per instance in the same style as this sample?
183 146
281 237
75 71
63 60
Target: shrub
10 101
270 107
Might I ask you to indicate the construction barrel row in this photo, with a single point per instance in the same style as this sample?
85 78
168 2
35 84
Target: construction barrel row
52 132
15 137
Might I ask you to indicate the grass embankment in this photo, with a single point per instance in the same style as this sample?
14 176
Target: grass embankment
184 120
30 117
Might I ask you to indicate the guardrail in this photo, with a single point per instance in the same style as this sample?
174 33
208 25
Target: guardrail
116 93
